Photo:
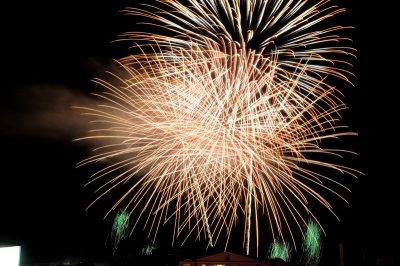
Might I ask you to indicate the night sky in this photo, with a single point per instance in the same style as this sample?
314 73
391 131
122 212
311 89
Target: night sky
50 52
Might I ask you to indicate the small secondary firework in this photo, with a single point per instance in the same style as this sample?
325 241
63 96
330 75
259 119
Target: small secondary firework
312 245
120 229
280 250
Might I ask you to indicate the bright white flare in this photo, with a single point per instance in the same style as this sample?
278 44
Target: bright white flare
288 30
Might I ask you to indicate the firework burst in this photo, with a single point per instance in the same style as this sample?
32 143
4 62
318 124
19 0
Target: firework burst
209 131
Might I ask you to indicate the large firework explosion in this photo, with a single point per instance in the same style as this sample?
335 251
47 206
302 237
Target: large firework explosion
220 123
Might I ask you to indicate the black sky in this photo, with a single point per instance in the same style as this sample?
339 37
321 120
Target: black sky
51 50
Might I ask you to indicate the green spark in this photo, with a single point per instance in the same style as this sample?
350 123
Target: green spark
148 249
119 229
280 250
312 244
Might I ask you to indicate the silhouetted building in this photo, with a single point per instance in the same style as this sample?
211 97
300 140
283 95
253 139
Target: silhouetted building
232 259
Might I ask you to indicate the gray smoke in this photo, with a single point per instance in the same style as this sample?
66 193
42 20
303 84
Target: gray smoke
45 111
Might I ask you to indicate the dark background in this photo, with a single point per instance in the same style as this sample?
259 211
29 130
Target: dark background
50 50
